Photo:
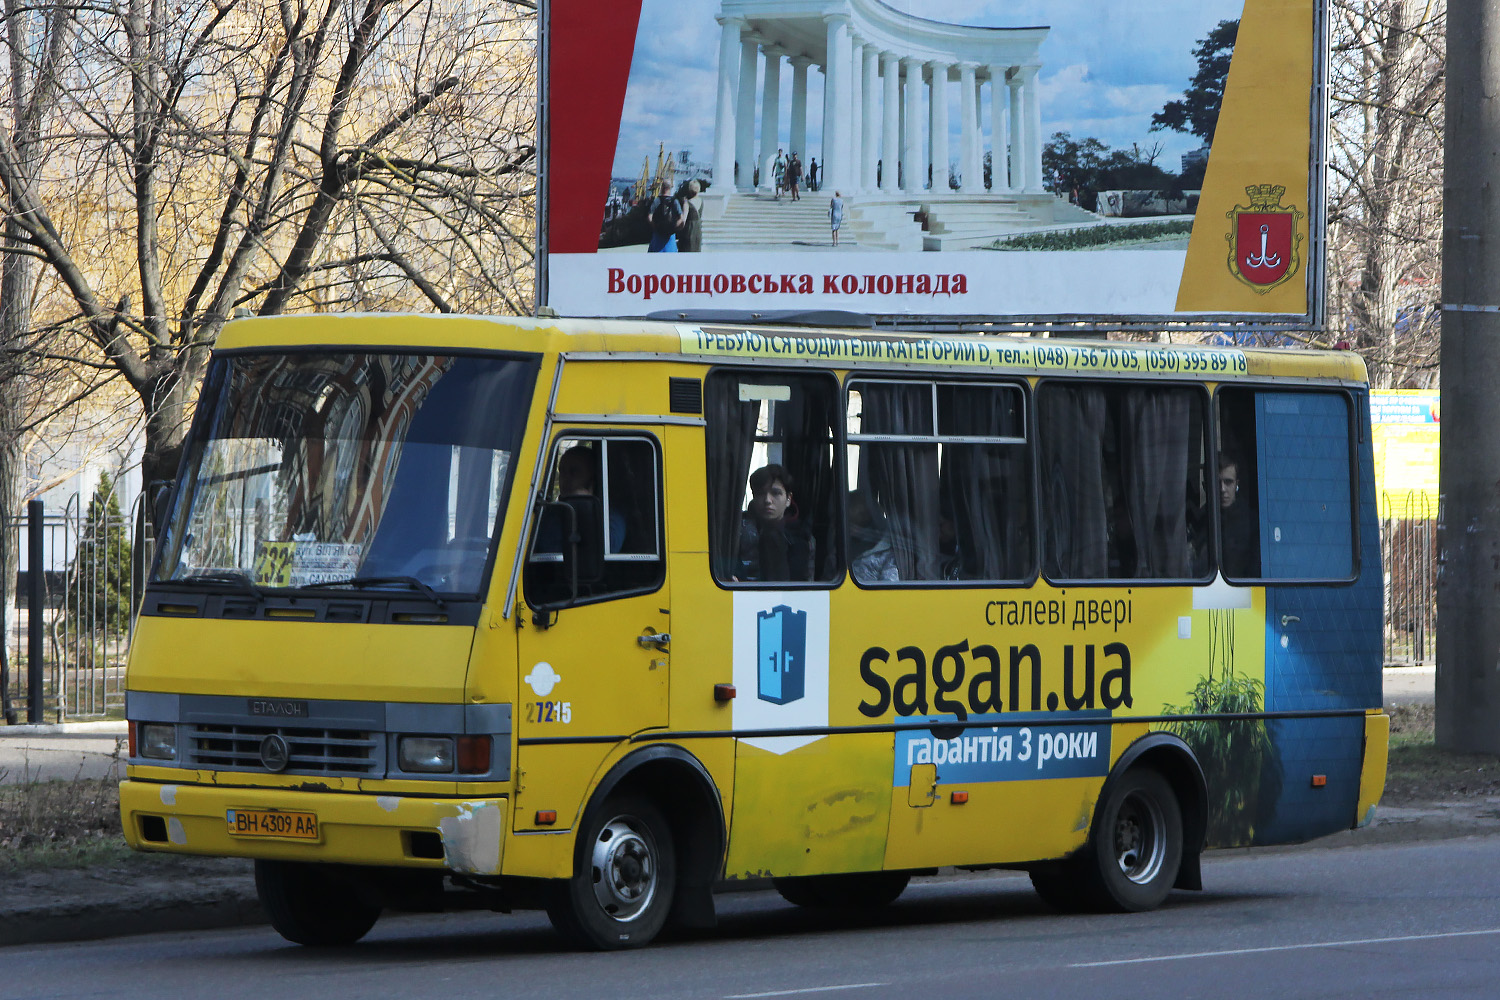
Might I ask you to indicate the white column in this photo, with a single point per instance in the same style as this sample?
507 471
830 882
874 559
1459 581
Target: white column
744 116
729 82
940 127
968 144
998 138
799 108
870 128
1018 139
770 117
1033 112
836 132
916 166
901 112
889 151
856 112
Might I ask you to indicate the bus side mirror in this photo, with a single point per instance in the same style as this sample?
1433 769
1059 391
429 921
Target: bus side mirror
161 502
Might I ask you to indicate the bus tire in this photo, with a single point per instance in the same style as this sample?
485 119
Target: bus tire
624 877
1061 885
1135 848
308 905
858 890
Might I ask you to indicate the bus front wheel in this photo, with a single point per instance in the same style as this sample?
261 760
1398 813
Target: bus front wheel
623 880
309 905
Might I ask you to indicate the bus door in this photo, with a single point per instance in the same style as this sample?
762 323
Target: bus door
593 647
1322 633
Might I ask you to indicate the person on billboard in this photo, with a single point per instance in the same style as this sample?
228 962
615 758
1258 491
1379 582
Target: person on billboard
812 174
690 240
774 543
793 175
835 215
778 173
666 217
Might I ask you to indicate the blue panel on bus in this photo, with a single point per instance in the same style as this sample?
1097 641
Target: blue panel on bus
1323 652
1331 747
1302 450
1006 753
782 654
1323 642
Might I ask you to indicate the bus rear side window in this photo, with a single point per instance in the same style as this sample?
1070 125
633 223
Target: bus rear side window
1124 482
1285 485
939 482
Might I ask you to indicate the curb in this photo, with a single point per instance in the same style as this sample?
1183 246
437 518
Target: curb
111 727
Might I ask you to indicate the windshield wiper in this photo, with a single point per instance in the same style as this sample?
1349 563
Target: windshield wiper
240 579
381 581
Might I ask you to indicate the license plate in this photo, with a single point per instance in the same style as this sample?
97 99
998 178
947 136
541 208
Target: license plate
272 823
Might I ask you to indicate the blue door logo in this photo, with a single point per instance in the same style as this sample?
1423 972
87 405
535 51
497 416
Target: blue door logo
781 654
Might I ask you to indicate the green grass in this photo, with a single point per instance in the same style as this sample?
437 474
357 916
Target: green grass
1092 237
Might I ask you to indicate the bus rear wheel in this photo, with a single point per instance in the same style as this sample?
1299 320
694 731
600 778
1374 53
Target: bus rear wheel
857 890
1132 856
1137 843
623 879
309 905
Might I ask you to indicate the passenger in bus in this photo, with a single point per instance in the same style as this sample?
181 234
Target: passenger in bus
576 478
775 546
1239 541
871 557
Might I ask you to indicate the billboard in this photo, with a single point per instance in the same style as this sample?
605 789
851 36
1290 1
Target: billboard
1405 425
1000 160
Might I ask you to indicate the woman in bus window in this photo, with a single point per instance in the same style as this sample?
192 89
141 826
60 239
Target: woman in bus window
774 544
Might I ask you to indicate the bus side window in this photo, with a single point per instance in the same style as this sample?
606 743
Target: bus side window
1285 486
612 485
1124 481
940 483
772 504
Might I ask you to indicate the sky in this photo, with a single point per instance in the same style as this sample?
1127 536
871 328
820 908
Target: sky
1106 68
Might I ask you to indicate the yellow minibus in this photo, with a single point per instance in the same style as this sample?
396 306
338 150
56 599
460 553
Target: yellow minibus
594 615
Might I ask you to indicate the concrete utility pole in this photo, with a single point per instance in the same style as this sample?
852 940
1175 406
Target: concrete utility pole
1468 647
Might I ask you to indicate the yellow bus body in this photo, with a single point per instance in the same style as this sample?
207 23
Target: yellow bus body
840 801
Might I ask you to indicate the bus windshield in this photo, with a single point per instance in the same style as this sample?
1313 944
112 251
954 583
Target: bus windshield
323 468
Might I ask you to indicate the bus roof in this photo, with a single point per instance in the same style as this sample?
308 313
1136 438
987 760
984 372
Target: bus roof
844 349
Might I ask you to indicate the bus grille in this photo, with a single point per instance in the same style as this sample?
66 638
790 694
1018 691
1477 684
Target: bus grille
312 751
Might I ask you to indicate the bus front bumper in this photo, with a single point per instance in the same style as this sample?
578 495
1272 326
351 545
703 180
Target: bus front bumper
465 835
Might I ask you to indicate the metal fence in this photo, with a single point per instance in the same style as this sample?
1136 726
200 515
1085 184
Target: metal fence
1408 551
67 630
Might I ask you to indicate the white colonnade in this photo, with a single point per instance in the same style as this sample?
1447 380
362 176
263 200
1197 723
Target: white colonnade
887 86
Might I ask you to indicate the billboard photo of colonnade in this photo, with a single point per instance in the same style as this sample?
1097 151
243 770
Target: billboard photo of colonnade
980 137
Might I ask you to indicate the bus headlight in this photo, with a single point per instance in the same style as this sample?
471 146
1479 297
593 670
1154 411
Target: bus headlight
425 754
158 740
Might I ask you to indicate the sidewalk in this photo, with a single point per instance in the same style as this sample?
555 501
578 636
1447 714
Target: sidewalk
62 751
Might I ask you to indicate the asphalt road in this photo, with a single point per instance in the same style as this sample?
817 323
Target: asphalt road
1410 920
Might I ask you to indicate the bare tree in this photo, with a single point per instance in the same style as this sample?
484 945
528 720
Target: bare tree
219 155
1385 203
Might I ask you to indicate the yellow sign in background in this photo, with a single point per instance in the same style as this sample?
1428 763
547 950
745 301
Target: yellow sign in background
1404 431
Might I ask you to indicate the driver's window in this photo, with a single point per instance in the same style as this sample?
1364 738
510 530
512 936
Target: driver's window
598 526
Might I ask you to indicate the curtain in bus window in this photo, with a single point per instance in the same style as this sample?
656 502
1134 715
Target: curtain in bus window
808 457
731 442
1154 448
904 477
986 486
1075 522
